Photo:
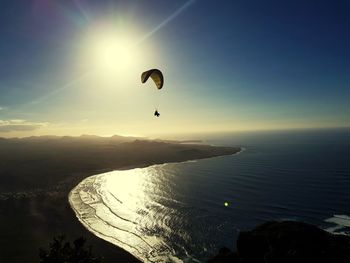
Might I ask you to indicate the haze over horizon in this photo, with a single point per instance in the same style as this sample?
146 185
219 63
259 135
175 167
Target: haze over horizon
73 67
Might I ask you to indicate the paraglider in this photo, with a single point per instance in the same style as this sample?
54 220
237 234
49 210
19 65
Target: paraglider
157 76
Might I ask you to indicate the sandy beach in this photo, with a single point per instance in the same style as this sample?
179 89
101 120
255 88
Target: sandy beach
38 173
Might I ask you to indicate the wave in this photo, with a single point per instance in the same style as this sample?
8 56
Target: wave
113 218
341 222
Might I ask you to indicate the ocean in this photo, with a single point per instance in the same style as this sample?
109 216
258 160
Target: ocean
185 212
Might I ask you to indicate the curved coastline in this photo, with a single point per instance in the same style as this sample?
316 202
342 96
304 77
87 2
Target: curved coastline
54 165
113 240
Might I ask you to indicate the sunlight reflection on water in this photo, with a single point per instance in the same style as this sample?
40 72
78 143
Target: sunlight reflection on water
122 208
168 212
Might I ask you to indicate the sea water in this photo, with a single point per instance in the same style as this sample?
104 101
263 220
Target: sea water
184 212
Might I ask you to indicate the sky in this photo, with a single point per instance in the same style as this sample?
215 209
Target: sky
73 67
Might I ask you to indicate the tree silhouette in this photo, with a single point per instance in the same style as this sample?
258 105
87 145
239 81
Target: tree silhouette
62 251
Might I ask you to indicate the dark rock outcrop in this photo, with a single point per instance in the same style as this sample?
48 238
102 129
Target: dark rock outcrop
287 242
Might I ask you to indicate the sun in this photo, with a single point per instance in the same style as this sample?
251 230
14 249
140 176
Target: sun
112 53
111 56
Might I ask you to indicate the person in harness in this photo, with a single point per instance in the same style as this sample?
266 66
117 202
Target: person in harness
157 76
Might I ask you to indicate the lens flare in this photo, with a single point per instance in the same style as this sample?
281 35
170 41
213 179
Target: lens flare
112 53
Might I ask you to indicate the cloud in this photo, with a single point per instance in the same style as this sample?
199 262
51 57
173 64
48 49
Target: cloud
20 125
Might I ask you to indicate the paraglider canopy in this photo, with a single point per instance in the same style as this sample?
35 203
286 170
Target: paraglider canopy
156 75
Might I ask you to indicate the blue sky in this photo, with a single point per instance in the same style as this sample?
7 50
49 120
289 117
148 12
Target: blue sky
231 65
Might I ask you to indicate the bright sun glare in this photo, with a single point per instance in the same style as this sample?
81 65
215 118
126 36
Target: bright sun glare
112 53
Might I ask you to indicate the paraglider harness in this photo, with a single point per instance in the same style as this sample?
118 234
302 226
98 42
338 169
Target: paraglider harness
156 113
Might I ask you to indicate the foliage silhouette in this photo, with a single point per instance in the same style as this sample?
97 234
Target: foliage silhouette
61 250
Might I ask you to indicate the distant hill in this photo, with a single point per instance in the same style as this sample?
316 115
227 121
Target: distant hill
49 162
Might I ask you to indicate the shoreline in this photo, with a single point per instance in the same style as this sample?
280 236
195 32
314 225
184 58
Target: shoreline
103 237
38 174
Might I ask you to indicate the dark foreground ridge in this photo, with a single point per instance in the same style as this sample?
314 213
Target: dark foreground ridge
37 173
287 242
